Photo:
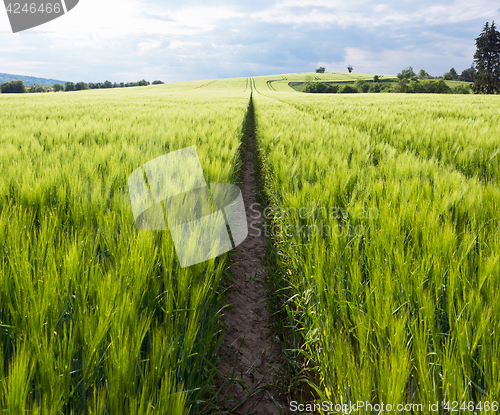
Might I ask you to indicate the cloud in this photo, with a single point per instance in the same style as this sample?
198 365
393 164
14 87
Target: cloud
364 13
154 39
157 17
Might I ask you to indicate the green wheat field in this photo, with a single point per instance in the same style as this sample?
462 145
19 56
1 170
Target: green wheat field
385 242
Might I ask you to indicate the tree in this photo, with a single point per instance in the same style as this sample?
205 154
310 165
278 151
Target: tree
423 75
361 85
468 75
452 75
407 74
432 86
400 86
487 60
321 69
347 89
375 87
107 84
70 86
349 68
414 87
80 86
376 78
57 87
13 87
158 82
37 88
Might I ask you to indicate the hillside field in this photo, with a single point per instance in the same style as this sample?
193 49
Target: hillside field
383 213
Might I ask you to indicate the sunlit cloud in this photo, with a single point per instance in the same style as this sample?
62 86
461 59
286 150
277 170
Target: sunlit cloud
123 40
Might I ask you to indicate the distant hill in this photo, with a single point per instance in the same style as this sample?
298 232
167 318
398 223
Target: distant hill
28 80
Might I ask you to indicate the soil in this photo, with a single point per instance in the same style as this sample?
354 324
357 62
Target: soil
251 356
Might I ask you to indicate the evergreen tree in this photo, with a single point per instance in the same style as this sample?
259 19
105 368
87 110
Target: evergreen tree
487 60
452 75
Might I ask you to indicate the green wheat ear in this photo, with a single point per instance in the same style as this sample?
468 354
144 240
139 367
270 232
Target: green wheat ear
96 316
400 312
395 301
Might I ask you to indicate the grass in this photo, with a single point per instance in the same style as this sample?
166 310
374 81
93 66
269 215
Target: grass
96 316
389 245
385 246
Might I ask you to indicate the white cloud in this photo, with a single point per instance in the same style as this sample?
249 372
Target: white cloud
128 39
363 13
383 62
113 19
179 44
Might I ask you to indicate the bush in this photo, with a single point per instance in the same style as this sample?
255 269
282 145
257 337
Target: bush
348 89
314 87
414 87
58 87
435 87
427 86
321 88
462 89
332 89
400 86
361 86
375 87
37 88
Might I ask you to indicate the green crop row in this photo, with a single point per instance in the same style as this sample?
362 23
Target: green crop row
457 131
385 212
390 251
96 316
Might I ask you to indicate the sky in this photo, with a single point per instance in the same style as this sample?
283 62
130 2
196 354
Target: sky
128 40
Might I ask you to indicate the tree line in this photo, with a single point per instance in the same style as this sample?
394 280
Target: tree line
436 86
18 87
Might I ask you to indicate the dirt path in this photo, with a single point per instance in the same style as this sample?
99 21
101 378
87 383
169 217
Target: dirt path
251 355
